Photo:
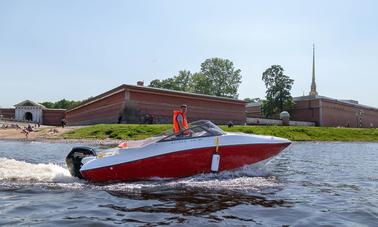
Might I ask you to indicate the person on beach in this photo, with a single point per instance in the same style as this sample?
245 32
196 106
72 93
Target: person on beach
29 128
26 132
180 122
63 122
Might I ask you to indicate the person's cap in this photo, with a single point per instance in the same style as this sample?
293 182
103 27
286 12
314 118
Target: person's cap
184 105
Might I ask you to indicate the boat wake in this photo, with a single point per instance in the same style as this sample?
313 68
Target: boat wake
12 170
14 173
245 179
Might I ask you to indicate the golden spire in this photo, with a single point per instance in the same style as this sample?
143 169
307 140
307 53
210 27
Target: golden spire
313 91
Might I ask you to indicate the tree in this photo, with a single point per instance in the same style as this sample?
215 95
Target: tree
200 84
278 97
181 82
217 77
155 83
166 83
252 99
48 104
221 76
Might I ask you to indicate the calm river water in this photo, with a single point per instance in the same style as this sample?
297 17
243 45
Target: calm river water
309 184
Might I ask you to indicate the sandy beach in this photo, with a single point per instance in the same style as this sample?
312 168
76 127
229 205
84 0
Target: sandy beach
52 134
8 131
41 133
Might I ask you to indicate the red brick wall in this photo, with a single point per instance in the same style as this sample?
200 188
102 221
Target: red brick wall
103 110
333 113
161 107
7 113
132 103
254 111
370 119
306 110
343 114
53 116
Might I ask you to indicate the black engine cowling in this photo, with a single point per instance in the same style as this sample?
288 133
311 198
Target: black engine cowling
74 158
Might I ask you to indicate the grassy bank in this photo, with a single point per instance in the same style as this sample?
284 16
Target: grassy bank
295 133
301 133
116 131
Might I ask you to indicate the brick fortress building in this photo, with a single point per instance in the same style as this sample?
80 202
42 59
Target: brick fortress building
133 104
140 104
325 111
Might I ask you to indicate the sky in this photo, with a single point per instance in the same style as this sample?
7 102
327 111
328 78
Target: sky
75 49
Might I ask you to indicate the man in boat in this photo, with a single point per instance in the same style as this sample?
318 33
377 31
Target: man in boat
180 122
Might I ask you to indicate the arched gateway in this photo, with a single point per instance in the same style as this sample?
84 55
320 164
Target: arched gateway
28 116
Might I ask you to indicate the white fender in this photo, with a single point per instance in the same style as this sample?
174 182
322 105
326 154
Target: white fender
215 162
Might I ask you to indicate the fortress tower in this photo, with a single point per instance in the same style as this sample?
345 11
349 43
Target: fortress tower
313 91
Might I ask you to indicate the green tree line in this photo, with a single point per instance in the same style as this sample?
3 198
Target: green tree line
217 77
61 104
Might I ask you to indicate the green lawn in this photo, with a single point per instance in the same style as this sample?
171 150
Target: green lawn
116 131
295 133
302 133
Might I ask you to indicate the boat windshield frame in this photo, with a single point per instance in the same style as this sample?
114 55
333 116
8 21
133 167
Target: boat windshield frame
197 129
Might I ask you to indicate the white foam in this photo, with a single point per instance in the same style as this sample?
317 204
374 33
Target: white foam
239 183
245 179
13 170
52 175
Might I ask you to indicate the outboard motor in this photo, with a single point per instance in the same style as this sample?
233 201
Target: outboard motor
74 158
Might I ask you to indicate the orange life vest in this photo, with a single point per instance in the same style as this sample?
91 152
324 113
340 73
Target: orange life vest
176 125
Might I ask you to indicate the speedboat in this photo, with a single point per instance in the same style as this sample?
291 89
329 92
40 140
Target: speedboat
202 148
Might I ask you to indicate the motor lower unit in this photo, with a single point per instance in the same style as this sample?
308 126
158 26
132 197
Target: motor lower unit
74 158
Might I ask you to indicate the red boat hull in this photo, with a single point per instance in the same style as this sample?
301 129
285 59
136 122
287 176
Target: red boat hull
185 163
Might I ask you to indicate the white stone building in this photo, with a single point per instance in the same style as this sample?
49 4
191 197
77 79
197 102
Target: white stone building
29 111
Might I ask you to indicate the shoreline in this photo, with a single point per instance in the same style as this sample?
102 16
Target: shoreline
112 134
50 134
62 140
132 143
115 142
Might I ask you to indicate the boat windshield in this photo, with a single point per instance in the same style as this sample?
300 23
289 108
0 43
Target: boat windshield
196 129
